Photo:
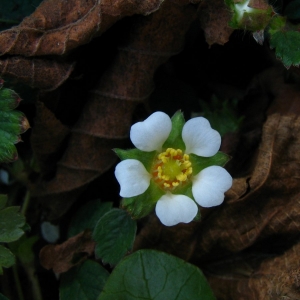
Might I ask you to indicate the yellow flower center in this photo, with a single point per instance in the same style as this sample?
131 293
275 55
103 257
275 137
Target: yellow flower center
171 169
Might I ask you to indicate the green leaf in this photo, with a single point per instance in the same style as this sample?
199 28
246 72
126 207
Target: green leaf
114 235
8 137
175 138
2 297
199 163
146 158
7 259
3 201
88 215
12 124
11 221
9 99
141 205
84 282
22 248
8 152
222 115
287 45
153 275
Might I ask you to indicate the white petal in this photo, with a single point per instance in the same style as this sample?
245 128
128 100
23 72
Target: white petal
200 138
210 185
152 133
173 209
132 177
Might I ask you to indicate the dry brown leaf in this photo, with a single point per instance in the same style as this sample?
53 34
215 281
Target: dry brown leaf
37 73
260 277
56 27
72 252
214 17
259 4
47 136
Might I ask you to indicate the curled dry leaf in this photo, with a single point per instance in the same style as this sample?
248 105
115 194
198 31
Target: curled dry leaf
56 27
37 73
258 277
106 117
214 17
46 138
259 4
62 257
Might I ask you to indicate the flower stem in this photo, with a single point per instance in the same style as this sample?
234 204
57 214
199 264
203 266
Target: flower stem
17 282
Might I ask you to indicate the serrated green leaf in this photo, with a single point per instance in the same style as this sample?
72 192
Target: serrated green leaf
199 163
141 205
3 201
9 99
8 137
2 297
11 221
88 216
84 282
114 235
7 259
8 153
287 47
146 158
175 138
13 121
153 275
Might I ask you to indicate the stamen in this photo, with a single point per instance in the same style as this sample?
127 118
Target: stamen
171 169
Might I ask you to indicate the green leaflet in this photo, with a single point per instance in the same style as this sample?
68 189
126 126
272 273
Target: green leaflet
287 45
88 215
285 38
141 205
11 221
84 282
7 259
199 163
175 138
146 158
12 124
9 99
114 236
153 275
222 114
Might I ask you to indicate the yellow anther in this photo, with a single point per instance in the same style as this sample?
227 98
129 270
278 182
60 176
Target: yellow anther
181 177
189 171
172 168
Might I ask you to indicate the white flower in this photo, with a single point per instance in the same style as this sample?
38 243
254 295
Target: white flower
173 168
